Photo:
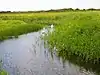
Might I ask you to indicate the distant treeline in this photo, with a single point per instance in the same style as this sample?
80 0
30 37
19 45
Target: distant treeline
52 10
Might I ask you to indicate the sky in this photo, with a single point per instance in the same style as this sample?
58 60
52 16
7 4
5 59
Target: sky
31 5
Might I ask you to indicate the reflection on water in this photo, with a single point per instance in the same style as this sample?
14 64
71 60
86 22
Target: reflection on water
26 55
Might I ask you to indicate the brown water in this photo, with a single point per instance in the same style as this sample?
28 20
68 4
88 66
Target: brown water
26 55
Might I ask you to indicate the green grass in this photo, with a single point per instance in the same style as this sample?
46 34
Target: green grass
17 24
10 28
76 33
3 72
79 35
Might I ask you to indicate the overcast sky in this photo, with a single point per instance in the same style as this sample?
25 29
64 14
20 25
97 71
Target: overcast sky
17 5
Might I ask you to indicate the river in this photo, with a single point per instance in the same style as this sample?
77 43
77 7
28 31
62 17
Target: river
26 55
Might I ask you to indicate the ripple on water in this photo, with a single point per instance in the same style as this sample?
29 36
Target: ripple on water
26 55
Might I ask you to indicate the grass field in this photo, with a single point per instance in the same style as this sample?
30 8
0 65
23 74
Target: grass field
79 35
3 72
76 33
19 23
14 24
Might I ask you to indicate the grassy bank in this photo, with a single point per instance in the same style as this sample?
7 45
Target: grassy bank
10 28
3 72
14 24
76 33
79 35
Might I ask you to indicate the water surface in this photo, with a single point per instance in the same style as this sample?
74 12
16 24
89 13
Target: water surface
26 55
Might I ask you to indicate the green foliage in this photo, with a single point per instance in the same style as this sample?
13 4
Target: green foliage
12 25
15 28
78 35
3 72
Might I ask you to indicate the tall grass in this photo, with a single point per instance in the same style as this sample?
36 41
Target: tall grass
17 24
78 35
3 72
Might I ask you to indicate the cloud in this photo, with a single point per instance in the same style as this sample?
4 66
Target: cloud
47 4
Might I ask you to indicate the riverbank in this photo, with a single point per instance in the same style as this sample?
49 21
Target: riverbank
27 55
75 33
78 35
12 25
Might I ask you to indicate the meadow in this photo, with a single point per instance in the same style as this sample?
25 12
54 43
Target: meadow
79 35
75 34
14 24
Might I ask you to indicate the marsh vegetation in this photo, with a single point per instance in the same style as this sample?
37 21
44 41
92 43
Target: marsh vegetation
75 34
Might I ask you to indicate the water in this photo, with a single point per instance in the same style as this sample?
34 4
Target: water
26 55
